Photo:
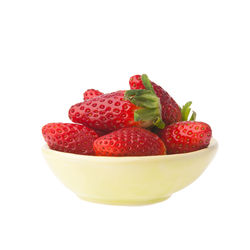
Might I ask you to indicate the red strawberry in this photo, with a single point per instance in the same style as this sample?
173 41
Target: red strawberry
71 138
91 93
170 109
109 112
131 141
186 136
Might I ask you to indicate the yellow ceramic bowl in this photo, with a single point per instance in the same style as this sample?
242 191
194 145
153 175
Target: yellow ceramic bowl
128 180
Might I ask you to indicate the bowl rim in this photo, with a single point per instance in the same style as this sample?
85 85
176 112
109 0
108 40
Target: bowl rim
212 146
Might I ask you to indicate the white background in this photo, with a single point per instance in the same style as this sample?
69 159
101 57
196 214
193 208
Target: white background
51 51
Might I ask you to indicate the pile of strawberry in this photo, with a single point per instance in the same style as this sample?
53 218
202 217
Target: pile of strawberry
142 121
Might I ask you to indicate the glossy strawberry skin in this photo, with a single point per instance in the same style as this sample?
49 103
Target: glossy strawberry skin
91 93
131 141
170 110
187 136
70 138
107 113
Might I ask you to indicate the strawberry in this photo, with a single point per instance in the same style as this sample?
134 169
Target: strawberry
170 109
186 136
100 132
132 141
109 112
71 138
91 93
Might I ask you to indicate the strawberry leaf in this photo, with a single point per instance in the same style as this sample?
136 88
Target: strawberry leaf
146 82
149 103
193 117
185 111
142 98
159 123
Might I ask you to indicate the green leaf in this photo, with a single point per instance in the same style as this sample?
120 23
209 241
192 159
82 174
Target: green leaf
149 115
146 82
185 111
133 92
193 117
148 102
136 117
143 99
146 114
159 123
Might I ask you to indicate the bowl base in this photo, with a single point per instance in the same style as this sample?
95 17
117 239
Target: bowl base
125 202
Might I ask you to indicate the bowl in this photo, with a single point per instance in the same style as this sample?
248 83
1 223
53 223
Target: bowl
128 180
